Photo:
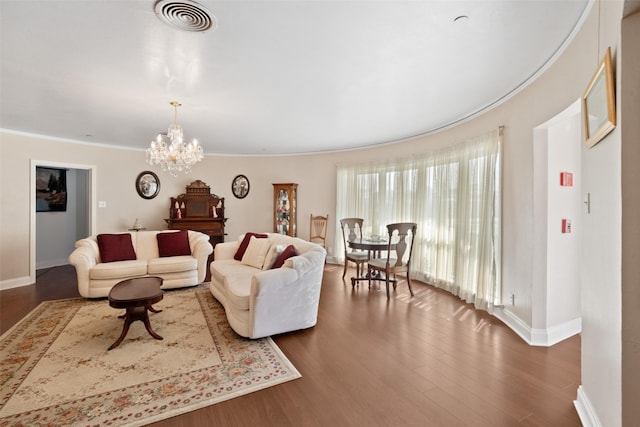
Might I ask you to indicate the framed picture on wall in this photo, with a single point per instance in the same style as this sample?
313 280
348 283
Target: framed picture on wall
147 185
51 189
599 103
240 186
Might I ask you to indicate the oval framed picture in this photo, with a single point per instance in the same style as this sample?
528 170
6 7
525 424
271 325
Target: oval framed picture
147 185
240 186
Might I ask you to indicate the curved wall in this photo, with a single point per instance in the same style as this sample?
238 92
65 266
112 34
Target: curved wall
553 91
557 88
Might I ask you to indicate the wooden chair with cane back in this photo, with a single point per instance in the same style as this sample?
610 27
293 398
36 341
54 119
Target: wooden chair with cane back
318 225
351 231
384 267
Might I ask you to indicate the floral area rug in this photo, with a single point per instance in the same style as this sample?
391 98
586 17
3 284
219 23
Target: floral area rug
55 368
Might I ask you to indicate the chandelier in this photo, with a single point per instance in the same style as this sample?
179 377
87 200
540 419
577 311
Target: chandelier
171 152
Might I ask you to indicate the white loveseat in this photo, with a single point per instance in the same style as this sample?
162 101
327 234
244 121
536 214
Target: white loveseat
96 278
260 301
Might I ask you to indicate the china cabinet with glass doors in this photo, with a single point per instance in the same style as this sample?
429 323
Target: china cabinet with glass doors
284 202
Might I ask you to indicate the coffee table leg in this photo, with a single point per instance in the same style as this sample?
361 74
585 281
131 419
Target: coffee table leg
125 329
153 310
136 313
147 325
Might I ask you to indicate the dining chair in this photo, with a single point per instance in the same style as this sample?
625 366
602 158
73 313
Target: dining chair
318 225
399 233
351 230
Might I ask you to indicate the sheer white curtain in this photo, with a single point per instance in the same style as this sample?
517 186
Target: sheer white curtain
454 196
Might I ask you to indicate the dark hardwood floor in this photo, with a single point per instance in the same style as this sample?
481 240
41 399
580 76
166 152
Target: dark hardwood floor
430 360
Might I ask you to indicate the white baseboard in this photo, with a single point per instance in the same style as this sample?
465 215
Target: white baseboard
539 337
516 324
587 415
555 334
332 260
52 263
15 283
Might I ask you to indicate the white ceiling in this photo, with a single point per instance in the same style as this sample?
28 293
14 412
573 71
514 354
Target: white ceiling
274 77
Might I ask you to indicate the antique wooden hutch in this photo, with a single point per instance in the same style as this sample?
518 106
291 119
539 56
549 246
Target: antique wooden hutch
199 210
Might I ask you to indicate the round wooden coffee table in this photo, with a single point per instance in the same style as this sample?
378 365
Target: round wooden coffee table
136 296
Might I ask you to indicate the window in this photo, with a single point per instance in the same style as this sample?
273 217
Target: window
454 197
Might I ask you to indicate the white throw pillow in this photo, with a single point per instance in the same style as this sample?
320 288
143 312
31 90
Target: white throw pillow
272 256
256 252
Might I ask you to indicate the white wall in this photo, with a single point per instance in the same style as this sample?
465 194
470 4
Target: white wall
556 309
564 250
600 394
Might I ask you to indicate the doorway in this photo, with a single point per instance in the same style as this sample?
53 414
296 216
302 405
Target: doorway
557 243
53 234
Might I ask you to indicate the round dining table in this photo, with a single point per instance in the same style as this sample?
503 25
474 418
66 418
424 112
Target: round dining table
374 246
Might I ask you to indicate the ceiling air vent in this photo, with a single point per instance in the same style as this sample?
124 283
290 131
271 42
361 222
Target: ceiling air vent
185 15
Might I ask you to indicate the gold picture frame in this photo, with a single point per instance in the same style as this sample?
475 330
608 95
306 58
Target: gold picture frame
599 103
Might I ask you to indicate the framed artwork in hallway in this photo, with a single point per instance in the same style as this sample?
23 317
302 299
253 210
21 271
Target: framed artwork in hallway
51 189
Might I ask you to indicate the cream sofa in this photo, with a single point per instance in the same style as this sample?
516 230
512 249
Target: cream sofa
261 301
96 278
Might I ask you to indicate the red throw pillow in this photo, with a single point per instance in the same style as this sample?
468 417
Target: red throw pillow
245 242
115 247
285 255
173 244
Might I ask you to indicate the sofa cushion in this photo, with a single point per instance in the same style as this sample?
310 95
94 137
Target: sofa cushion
245 242
256 252
172 264
272 255
235 279
305 263
173 244
220 269
238 290
289 252
115 247
119 269
146 244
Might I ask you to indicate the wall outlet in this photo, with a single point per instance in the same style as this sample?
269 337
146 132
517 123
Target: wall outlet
102 204
512 299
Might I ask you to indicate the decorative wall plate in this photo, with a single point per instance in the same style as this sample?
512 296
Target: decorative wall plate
240 186
147 185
